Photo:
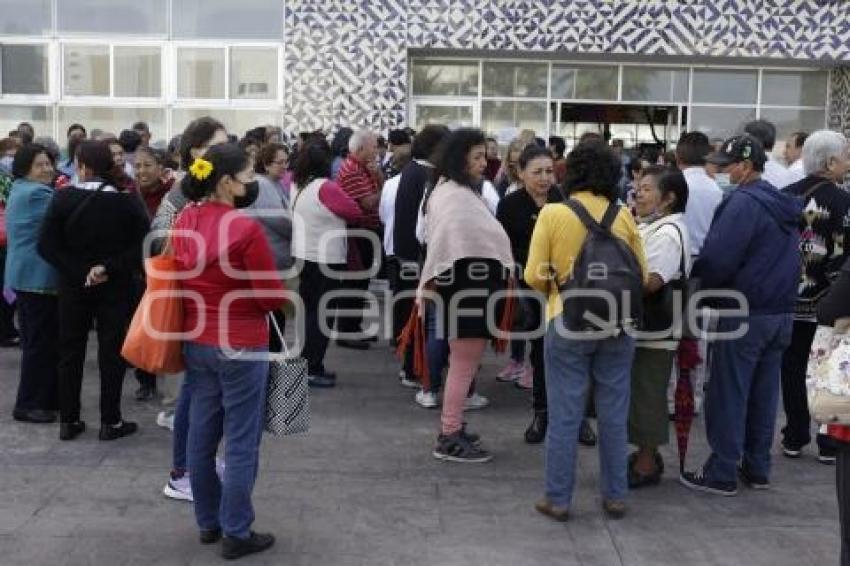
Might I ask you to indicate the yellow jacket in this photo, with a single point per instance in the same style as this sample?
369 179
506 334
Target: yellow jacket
557 240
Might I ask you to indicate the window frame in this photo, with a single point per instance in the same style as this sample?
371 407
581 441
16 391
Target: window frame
111 98
27 99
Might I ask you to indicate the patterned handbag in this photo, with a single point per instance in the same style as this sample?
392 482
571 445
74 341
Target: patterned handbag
828 377
287 401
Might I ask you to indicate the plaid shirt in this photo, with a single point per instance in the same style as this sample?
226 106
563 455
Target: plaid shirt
357 182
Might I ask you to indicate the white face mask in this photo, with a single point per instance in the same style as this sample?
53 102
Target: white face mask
723 179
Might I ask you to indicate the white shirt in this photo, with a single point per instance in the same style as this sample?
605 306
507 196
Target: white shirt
796 171
776 174
386 211
703 198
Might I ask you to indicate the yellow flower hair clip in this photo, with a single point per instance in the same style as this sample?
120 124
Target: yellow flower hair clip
201 169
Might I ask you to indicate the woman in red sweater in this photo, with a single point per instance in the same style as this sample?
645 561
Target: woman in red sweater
226 263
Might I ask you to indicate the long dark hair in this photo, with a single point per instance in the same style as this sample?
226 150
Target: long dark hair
226 159
96 156
453 153
196 135
313 161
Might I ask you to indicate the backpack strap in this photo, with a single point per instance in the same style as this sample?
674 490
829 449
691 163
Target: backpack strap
589 222
610 216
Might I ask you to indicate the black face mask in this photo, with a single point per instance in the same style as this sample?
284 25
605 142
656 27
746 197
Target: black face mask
252 191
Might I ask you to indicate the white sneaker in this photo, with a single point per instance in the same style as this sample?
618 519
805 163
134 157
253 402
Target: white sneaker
180 489
165 420
476 401
427 399
406 381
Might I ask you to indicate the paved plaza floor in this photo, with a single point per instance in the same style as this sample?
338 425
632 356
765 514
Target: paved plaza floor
362 489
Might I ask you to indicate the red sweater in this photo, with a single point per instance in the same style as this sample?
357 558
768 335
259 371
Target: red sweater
242 244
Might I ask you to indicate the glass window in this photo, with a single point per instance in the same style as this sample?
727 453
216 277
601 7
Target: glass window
597 83
200 72
253 72
112 120
515 79
497 116
113 16
217 19
138 71
445 78
86 70
26 17
794 88
235 121
720 122
451 116
655 84
23 69
563 82
725 86
41 118
790 120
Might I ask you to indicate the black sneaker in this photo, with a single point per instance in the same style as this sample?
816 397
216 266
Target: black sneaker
322 380
827 457
472 437
790 450
70 431
120 430
233 548
751 480
698 482
457 448
586 436
210 536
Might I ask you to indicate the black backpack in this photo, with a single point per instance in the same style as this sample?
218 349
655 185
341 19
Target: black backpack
605 274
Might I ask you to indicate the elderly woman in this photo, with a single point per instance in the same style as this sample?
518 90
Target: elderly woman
660 201
35 284
824 246
572 361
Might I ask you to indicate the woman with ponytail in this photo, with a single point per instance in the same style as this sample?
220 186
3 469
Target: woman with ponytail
228 264
92 234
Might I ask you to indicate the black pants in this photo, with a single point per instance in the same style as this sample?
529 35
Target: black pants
533 317
144 378
403 279
314 285
107 305
39 317
353 323
842 484
7 311
797 431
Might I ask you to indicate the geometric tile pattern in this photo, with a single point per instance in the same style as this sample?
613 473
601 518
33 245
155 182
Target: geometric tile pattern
346 60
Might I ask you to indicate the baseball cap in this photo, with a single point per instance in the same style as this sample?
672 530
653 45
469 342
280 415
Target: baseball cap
739 148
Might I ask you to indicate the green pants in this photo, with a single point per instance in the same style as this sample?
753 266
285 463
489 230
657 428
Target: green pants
649 423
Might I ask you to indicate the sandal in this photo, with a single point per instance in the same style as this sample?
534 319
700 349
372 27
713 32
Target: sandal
638 480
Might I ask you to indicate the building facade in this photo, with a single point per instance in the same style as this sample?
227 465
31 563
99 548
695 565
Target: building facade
645 68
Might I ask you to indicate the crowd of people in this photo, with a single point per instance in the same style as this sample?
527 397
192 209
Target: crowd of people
460 223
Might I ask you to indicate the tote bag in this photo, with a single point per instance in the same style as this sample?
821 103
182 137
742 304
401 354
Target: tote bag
287 400
828 377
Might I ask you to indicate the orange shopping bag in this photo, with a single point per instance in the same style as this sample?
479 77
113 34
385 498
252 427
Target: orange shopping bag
153 342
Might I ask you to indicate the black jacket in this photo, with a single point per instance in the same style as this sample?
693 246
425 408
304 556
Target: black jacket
518 214
411 188
85 227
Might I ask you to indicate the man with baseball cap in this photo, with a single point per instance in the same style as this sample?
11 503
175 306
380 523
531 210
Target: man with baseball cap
752 248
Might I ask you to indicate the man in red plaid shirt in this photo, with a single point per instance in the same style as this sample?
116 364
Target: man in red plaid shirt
361 179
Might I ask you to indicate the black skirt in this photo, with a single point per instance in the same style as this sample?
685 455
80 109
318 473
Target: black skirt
467 290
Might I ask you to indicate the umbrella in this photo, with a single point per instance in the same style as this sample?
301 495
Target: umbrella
688 359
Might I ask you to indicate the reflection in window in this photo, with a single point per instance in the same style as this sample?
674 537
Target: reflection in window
218 19
790 120
444 78
86 70
503 115
23 69
113 16
451 116
41 118
725 86
25 17
137 71
789 88
563 82
720 122
596 83
113 120
515 79
655 84
253 72
200 72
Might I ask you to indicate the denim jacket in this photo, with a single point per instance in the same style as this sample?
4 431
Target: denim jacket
26 270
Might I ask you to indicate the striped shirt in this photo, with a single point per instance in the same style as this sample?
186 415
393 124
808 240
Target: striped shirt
357 182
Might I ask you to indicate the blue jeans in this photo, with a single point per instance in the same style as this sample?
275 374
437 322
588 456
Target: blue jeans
569 367
436 348
228 399
181 428
742 395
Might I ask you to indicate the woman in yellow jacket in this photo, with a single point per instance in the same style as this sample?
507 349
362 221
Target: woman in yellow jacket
593 172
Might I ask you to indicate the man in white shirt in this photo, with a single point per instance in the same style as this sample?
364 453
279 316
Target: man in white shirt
794 155
774 172
386 211
703 193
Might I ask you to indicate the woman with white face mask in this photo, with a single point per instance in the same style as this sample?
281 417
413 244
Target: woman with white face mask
660 201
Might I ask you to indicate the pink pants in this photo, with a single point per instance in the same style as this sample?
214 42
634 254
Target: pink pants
464 357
